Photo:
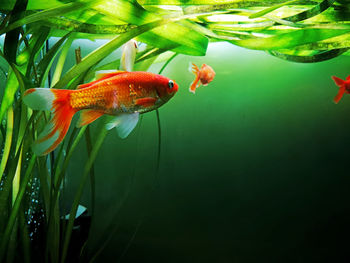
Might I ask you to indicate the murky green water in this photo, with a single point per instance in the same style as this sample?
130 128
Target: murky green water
253 168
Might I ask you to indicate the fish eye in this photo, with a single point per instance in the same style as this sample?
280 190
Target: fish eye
171 84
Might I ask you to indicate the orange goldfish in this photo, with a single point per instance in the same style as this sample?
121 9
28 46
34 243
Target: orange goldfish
344 87
205 75
121 93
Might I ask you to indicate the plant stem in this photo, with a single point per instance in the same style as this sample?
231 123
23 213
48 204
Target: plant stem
16 179
8 140
16 207
88 165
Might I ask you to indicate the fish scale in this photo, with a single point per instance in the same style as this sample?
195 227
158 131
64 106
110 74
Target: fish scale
92 98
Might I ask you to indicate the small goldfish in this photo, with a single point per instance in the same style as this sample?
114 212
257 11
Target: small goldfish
205 75
121 93
344 87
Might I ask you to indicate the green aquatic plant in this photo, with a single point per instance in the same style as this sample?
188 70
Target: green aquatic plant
300 31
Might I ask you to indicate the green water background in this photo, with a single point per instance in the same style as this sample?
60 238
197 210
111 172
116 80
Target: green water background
253 168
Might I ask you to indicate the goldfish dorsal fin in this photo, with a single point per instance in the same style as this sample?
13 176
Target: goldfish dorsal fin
338 81
101 75
105 74
124 123
88 116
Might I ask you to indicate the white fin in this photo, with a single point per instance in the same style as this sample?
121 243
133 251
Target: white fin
80 211
128 55
40 147
124 123
39 98
190 67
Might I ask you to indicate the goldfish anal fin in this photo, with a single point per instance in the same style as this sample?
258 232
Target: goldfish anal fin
146 102
339 95
101 75
88 116
124 123
62 113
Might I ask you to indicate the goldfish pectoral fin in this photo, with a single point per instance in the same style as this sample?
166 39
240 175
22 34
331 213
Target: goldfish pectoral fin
146 102
338 81
62 114
193 68
88 116
105 74
348 77
339 95
124 123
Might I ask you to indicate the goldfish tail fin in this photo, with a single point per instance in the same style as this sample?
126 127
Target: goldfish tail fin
341 84
195 84
57 101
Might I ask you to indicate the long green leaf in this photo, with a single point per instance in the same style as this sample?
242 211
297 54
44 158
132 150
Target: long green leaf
4 197
57 11
16 206
100 53
15 78
190 42
236 3
61 60
321 56
88 165
76 26
8 141
11 38
45 64
43 33
289 40
316 10
32 4
270 9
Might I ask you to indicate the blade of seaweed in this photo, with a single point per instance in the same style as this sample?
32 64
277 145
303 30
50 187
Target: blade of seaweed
322 56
